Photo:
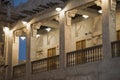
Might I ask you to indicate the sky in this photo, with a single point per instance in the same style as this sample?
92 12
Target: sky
17 2
22 49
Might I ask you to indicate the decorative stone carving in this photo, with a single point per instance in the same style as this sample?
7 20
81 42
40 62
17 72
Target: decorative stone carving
113 12
37 25
113 5
97 40
70 14
96 25
49 37
98 3
39 54
20 32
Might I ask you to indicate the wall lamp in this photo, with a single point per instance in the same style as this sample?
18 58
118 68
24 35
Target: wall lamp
100 11
23 37
24 23
38 35
48 29
85 16
6 29
58 9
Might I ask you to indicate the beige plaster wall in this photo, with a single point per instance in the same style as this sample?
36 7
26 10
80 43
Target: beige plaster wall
78 30
39 46
92 26
15 51
118 21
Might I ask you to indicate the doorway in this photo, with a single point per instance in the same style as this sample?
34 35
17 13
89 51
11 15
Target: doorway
22 50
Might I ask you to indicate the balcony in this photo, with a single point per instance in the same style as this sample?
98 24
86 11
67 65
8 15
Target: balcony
116 49
79 57
19 70
45 64
87 55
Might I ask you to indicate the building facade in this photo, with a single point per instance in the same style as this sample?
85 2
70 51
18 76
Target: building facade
79 42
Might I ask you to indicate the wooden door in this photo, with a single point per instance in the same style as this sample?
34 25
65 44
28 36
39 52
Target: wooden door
118 35
51 63
80 57
80 44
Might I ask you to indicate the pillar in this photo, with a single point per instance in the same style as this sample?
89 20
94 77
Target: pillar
8 63
65 21
108 26
28 61
108 71
62 40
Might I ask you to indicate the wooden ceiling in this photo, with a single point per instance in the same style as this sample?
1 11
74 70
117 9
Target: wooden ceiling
10 14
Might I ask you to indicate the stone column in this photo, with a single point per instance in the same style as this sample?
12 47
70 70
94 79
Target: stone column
8 65
62 40
108 71
108 26
28 61
68 25
65 35
65 39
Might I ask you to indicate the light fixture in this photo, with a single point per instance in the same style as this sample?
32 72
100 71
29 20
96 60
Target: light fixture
24 22
58 9
38 35
85 16
48 29
100 11
5 29
23 37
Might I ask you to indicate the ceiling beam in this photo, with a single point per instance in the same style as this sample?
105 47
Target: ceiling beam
52 24
88 11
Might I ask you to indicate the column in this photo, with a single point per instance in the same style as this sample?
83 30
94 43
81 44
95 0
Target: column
108 26
8 64
28 61
108 71
62 40
65 35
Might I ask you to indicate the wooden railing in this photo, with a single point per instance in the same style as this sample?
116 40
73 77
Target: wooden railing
2 60
19 70
116 49
46 64
86 55
2 73
83 56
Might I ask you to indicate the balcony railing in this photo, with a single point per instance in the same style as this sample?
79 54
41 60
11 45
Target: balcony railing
2 60
83 56
116 49
19 70
2 73
46 64
86 55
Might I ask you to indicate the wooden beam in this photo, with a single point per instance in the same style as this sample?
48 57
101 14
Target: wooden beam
72 4
89 12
